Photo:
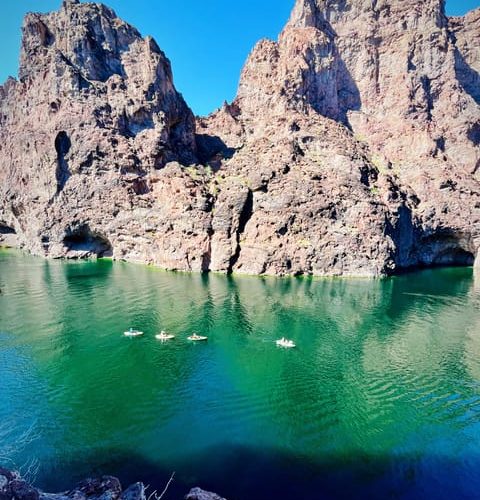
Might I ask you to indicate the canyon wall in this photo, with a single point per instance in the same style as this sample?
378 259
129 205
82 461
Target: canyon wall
352 147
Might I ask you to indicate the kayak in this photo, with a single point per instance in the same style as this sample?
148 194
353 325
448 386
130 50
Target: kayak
133 333
197 338
164 336
283 342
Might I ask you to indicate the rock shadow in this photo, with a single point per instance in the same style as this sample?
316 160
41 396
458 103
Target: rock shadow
245 216
418 247
240 472
348 94
468 77
86 243
210 147
62 147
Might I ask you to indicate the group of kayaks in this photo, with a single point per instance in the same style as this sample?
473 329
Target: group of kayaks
164 337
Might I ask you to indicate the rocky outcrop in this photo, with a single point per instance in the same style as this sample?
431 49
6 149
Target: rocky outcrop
390 87
13 487
93 118
350 149
199 494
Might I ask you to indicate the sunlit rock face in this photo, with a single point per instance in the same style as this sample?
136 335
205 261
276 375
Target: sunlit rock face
402 78
352 147
85 135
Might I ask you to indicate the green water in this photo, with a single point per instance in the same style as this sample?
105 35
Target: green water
381 399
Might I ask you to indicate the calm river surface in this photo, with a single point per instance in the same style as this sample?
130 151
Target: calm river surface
381 398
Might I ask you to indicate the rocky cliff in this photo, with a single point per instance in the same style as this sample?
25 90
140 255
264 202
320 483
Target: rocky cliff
352 148
14 487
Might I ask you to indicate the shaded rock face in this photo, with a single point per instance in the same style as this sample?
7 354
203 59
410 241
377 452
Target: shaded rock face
352 148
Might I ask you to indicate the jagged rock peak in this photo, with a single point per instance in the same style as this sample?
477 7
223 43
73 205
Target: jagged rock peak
84 48
404 79
307 13
95 105
88 36
323 14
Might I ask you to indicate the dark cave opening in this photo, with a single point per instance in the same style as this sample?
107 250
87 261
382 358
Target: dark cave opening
419 247
86 243
453 257
438 253
5 229
445 248
62 147
8 236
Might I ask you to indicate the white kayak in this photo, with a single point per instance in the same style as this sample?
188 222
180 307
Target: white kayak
133 333
163 336
197 338
283 342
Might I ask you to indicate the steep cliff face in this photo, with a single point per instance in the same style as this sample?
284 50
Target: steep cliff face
402 78
352 147
416 101
84 134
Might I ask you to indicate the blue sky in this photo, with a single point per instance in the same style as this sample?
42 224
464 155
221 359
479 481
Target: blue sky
207 41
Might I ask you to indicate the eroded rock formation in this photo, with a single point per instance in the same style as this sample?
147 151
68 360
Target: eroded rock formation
352 148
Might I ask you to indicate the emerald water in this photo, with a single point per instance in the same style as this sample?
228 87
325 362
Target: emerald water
381 398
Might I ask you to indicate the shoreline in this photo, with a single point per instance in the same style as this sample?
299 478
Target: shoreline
311 277
12 486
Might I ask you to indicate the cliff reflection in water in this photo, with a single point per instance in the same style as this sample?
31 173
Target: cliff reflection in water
383 388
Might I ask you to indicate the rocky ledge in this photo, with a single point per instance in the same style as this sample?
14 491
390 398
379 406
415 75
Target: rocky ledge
13 487
352 147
